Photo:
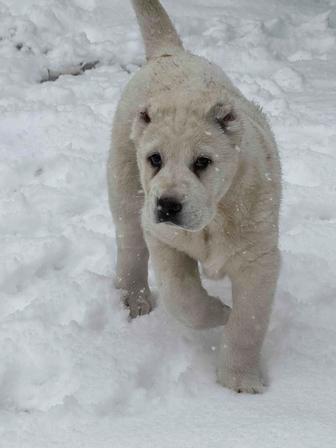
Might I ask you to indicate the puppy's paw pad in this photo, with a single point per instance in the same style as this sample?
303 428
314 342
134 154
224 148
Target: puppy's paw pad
250 383
254 386
138 306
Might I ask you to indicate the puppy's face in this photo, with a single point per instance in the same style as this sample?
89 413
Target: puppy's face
187 161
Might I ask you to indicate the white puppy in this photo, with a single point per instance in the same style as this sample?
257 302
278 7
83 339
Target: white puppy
199 162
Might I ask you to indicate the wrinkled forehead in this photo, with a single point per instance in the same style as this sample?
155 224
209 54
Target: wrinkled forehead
179 122
178 134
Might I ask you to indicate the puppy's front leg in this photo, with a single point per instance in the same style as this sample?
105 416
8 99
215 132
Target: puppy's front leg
132 266
253 286
181 289
126 200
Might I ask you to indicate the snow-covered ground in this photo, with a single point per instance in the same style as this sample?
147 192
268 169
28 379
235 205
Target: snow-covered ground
74 372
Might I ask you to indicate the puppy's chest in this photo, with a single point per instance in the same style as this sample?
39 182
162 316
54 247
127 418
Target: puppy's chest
211 247
219 251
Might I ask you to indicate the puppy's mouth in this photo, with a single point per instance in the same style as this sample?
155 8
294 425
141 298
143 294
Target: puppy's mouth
177 223
168 220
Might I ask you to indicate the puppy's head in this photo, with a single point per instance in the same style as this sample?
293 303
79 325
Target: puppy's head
187 158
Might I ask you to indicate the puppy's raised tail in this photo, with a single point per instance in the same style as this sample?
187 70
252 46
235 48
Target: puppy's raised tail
158 32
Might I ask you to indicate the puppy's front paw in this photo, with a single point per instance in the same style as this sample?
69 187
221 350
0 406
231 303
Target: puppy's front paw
138 304
248 382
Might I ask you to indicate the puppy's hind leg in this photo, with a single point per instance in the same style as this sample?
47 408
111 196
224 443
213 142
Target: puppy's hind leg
126 201
181 289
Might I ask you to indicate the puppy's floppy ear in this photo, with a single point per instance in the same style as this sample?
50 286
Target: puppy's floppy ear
141 121
225 116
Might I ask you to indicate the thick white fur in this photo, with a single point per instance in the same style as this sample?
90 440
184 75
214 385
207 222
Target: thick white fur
230 212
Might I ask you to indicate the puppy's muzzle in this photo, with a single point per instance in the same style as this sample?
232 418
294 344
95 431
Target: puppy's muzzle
168 210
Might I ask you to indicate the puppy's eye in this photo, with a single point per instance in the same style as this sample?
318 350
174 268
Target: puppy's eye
201 163
155 160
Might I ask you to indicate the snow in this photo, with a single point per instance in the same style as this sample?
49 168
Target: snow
74 372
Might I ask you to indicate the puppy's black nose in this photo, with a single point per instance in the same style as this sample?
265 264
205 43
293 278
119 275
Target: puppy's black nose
168 209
